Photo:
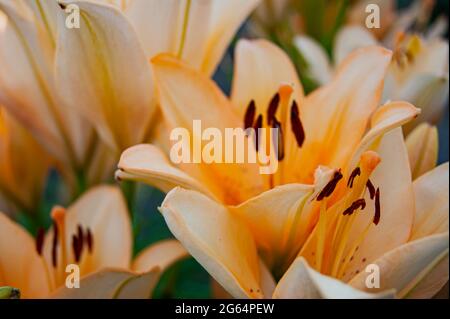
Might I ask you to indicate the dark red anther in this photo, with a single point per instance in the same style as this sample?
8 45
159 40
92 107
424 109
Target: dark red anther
278 139
55 245
89 240
256 127
330 187
371 189
297 126
249 117
356 172
272 109
377 216
40 241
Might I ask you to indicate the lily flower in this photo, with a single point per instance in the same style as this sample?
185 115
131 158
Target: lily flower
419 69
28 85
248 230
115 89
93 234
22 181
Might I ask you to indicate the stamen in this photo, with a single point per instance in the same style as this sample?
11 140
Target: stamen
249 117
371 189
330 187
90 240
272 109
256 127
278 139
376 218
76 248
40 241
357 204
80 238
297 126
55 245
356 172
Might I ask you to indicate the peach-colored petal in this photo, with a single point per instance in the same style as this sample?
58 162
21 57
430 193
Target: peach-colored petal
406 267
148 164
385 119
161 255
20 265
336 115
112 284
303 282
216 239
431 195
114 89
260 69
273 218
182 88
26 56
422 144
350 38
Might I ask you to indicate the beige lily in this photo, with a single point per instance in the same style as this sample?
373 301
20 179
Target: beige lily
115 88
22 181
27 81
418 72
245 228
95 234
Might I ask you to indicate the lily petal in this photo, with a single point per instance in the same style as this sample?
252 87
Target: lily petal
408 266
260 68
114 88
303 282
343 107
226 18
385 119
112 284
20 264
182 88
350 38
148 164
162 255
270 217
431 195
317 59
422 144
26 56
216 239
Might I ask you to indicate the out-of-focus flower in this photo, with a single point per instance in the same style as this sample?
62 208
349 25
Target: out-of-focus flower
24 166
247 229
422 144
27 81
419 69
114 89
94 234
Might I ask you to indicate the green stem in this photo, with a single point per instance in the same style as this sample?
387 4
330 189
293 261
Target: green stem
129 192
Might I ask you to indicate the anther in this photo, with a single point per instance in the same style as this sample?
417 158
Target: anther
249 117
376 217
371 189
278 139
40 241
272 109
356 172
330 187
89 240
256 127
55 245
357 204
297 126
76 248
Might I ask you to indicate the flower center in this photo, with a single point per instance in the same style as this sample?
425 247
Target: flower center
283 115
330 247
81 254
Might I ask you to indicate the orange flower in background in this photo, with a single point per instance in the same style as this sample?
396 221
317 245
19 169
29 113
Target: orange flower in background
22 180
341 189
95 234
